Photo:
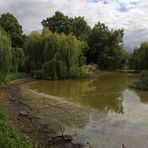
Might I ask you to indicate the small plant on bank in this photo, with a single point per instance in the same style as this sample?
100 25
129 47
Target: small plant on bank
88 70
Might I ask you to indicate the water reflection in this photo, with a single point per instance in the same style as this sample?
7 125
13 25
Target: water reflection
103 93
143 95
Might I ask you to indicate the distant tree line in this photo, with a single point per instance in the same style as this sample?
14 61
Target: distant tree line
139 61
139 58
65 47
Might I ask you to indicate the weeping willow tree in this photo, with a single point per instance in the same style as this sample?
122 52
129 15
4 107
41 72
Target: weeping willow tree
5 55
61 57
58 55
17 60
33 52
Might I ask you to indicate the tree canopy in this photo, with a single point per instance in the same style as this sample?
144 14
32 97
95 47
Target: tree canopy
53 56
139 57
17 60
58 23
5 55
105 48
63 24
80 28
65 46
11 25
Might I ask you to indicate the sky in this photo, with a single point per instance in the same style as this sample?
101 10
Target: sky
131 15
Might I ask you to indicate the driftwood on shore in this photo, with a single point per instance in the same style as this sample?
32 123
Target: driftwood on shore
64 141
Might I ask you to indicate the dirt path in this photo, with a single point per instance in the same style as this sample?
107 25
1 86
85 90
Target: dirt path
28 123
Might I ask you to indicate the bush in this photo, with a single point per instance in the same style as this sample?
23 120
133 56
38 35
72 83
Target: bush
9 135
88 69
142 83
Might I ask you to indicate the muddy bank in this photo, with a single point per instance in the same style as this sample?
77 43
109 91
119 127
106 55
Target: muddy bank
24 109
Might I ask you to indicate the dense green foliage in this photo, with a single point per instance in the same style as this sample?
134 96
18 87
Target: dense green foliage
142 83
9 135
11 59
53 56
105 48
63 24
88 70
11 25
58 23
5 55
63 51
139 58
80 28
17 61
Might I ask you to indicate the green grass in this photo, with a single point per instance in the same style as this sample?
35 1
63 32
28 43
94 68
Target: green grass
9 135
14 76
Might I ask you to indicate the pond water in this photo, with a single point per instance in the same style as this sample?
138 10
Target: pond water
119 115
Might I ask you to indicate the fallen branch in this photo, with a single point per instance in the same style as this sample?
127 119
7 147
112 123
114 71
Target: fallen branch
59 140
62 140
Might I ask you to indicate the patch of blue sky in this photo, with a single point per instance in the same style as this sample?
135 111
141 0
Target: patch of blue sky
126 8
133 2
123 9
103 1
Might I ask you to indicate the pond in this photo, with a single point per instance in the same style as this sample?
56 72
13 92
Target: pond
117 115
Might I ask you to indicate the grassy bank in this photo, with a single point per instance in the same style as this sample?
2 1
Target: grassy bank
9 135
13 76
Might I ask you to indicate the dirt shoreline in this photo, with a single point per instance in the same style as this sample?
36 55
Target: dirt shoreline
38 129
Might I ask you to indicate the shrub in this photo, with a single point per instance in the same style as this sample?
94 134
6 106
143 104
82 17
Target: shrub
88 69
142 83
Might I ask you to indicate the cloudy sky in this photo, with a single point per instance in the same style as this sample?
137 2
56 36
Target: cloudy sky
132 15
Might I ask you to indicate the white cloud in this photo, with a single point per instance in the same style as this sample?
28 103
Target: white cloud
128 14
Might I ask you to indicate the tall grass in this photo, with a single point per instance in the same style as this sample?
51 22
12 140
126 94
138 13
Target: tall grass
9 135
